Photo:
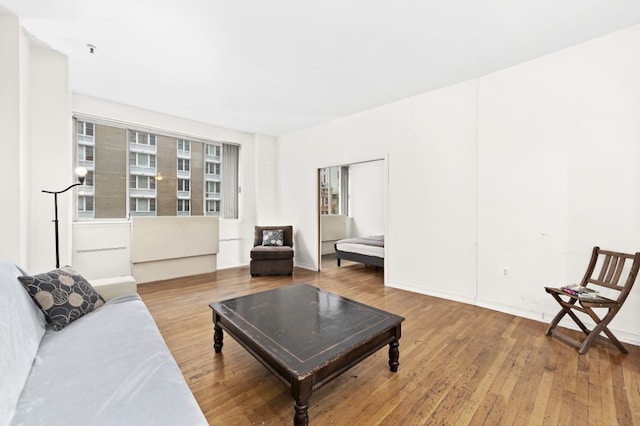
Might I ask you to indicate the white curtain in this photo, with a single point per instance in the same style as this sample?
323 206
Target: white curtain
230 161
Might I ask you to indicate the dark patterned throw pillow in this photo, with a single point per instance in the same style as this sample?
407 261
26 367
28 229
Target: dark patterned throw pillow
62 294
273 237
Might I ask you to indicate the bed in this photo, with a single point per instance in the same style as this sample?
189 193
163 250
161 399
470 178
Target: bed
367 250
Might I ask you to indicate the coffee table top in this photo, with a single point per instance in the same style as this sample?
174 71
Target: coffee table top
301 326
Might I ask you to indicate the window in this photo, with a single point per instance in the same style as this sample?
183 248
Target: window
213 150
334 190
184 206
85 153
213 189
142 138
213 207
213 168
142 182
85 129
142 205
141 159
88 179
125 166
85 204
184 185
183 165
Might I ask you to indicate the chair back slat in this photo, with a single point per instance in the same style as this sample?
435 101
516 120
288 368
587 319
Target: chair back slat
611 271
605 268
618 273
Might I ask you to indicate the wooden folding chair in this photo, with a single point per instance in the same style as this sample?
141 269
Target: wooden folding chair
612 266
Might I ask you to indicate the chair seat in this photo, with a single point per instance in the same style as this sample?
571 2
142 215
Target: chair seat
271 252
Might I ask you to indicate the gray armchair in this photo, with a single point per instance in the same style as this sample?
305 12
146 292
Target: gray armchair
272 255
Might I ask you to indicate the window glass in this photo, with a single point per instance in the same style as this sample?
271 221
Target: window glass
127 169
183 185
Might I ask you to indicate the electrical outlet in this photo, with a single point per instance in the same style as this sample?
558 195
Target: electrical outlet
505 271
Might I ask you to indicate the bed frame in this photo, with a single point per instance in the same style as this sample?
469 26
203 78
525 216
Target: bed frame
361 258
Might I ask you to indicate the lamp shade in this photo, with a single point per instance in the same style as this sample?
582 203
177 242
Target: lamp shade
81 172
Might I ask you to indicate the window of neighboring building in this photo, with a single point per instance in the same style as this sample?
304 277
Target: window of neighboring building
213 189
213 168
141 159
183 165
213 207
85 204
85 153
212 150
88 180
142 138
142 205
184 206
184 185
184 145
142 182
85 129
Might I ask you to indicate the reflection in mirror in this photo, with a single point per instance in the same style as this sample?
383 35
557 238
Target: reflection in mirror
351 204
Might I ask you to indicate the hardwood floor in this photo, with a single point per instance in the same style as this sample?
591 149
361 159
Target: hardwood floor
459 364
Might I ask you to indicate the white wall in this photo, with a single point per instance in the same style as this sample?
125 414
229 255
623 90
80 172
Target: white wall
559 144
429 142
12 243
35 111
525 169
265 182
367 198
51 156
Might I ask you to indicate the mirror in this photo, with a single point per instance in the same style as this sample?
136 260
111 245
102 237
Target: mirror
351 204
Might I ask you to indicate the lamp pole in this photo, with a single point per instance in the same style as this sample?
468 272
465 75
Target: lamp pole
81 172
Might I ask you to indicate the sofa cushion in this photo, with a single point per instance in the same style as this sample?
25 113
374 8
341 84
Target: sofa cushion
273 237
271 252
63 295
22 326
110 368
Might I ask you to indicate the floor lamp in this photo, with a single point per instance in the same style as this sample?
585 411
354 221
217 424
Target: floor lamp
81 173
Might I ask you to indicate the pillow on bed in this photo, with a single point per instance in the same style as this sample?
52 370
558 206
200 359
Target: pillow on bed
273 237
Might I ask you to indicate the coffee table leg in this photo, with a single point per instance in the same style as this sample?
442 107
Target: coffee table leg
301 393
394 355
301 415
217 338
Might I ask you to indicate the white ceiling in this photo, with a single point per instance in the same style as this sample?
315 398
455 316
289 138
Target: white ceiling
276 66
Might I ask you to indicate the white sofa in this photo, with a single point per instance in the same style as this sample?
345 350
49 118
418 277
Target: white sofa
108 367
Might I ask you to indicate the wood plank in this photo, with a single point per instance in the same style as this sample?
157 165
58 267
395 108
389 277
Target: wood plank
459 364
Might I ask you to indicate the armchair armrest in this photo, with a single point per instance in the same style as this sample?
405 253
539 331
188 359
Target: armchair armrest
116 286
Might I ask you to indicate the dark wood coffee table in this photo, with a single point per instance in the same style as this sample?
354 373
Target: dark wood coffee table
306 336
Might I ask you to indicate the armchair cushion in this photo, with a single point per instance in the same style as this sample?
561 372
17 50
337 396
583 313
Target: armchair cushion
271 252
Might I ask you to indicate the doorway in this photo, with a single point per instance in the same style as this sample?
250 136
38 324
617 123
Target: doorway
352 201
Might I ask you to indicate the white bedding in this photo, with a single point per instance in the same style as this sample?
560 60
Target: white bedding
361 249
